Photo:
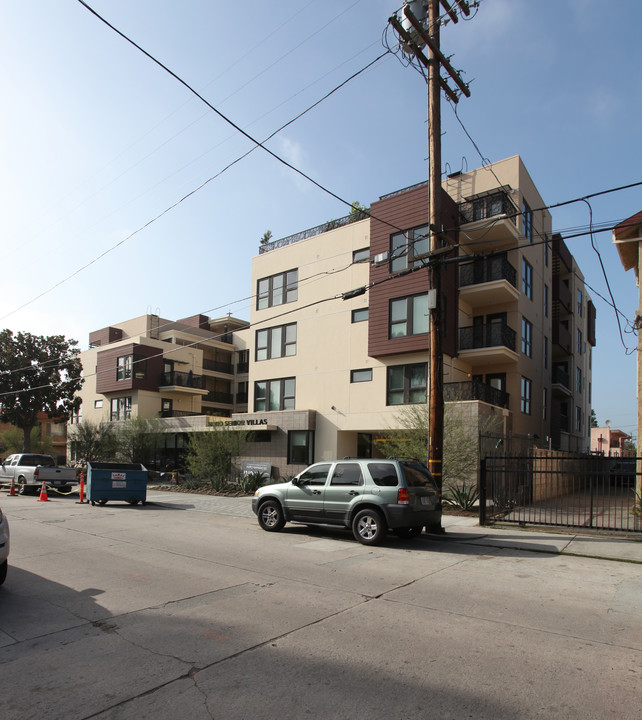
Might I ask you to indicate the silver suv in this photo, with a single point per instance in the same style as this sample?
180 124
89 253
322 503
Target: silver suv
369 496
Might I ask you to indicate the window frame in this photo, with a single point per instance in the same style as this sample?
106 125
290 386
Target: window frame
410 318
527 221
526 395
278 289
354 316
283 344
124 367
527 337
527 278
287 401
353 375
358 255
120 414
307 445
407 389
402 254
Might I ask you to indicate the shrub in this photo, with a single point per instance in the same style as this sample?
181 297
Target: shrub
249 482
463 497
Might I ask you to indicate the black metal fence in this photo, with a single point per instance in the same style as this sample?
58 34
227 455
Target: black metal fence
555 488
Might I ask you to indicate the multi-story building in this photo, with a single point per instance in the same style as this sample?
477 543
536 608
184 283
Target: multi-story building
151 367
340 325
339 337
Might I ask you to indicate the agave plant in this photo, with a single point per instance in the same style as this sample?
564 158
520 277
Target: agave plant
463 497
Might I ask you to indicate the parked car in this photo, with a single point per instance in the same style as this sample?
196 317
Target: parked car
623 473
29 470
4 546
365 495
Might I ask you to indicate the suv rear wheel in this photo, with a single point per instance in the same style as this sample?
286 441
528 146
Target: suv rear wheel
271 516
369 527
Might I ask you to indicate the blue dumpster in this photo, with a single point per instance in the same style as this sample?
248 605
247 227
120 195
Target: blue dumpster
116 481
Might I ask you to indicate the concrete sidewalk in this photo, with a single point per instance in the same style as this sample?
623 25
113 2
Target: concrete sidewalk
458 529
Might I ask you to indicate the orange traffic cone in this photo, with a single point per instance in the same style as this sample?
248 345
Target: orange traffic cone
43 493
12 492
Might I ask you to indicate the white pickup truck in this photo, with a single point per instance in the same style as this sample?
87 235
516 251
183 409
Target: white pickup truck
29 470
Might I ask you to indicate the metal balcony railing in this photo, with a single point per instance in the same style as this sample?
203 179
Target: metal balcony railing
488 206
460 391
487 335
181 379
219 397
560 377
487 270
218 366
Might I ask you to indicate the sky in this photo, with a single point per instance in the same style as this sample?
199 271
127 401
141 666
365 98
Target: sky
101 150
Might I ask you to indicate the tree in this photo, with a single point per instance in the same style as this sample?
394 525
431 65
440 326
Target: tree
461 438
12 440
136 440
210 454
267 236
359 211
92 443
593 419
39 373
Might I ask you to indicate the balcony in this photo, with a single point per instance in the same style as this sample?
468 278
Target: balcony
462 391
182 382
561 381
561 338
562 294
488 344
218 366
488 281
489 221
178 413
222 398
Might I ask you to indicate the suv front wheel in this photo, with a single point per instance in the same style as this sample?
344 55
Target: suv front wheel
271 516
369 527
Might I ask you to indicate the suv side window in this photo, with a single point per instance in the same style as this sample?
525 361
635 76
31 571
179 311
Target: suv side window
417 476
383 474
347 474
316 475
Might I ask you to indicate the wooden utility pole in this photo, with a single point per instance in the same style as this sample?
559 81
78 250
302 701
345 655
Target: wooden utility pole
434 62
436 409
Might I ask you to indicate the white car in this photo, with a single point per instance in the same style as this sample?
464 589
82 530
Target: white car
4 546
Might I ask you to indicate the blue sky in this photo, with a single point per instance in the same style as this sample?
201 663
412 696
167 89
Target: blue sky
96 141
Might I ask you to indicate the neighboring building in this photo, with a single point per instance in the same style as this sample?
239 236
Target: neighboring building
339 336
152 367
627 237
609 442
52 433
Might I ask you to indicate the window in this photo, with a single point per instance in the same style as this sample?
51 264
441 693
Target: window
409 316
301 447
579 341
407 248
546 254
527 221
276 342
527 337
362 255
360 315
578 380
545 351
277 289
121 408
544 403
98 404
124 367
357 376
579 303
274 394
364 445
526 389
545 300
527 279
316 475
406 384
347 474
76 416
578 419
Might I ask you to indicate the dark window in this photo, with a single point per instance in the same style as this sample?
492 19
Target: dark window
409 316
526 388
316 475
121 408
274 394
406 384
408 248
527 279
124 367
527 337
362 255
383 474
300 447
357 376
364 445
276 342
277 289
360 315
347 474
527 221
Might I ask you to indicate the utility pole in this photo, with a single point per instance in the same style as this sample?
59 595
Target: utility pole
414 40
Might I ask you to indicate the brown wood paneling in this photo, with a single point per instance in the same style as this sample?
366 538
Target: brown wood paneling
106 364
407 210
105 336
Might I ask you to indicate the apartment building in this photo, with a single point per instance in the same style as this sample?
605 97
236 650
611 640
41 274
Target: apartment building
340 338
183 372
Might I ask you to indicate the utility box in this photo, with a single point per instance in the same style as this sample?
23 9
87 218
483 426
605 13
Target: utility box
116 481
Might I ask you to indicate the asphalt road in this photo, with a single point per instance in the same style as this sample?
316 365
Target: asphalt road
184 608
